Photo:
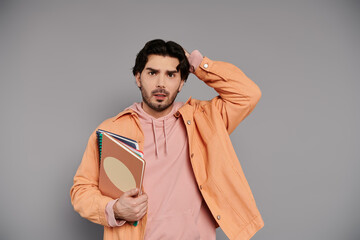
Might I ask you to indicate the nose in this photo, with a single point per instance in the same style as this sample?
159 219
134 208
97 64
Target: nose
161 81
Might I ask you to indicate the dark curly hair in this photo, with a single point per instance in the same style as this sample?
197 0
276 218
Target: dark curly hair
162 48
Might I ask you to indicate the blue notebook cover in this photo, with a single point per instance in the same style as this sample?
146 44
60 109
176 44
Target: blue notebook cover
130 142
127 141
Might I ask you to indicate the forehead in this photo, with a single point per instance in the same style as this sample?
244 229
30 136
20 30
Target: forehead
162 62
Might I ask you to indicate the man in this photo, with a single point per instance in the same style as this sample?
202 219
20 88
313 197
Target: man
193 181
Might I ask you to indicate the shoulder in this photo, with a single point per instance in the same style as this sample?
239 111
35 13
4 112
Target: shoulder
196 107
110 123
197 104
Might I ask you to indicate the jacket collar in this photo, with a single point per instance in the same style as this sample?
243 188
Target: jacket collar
126 111
184 109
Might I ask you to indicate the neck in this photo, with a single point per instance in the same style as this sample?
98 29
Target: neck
156 114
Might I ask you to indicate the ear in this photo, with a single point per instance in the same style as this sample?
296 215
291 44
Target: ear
181 84
137 78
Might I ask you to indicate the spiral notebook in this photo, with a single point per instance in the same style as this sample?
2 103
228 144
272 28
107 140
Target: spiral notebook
130 142
121 167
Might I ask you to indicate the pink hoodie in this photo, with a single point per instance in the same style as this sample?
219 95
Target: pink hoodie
176 209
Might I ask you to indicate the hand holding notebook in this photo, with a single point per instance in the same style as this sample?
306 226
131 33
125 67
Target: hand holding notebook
130 206
121 171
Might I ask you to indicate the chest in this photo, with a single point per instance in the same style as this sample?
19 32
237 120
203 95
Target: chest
164 139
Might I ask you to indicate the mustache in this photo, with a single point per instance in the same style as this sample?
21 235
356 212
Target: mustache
162 91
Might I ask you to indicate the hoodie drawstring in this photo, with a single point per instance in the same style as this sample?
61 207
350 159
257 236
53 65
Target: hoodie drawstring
166 146
155 138
146 120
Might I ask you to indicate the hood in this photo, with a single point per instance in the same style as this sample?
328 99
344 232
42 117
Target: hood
154 123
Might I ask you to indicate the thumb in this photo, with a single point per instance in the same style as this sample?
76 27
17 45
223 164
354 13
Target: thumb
132 192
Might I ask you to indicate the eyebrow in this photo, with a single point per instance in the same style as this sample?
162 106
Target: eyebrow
156 70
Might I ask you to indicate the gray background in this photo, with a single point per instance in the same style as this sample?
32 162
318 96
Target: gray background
66 65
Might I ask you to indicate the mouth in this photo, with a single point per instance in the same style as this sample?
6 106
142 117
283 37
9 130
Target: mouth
160 96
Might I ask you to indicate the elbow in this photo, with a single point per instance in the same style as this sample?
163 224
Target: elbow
76 203
255 97
73 198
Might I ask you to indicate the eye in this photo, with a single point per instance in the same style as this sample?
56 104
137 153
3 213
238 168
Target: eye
152 73
171 75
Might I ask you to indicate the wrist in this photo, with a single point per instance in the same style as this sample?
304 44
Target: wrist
195 58
115 210
111 215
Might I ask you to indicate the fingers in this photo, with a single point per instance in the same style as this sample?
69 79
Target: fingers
142 198
142 213
136 210
143 205
131 207
132 193
131 197
139 201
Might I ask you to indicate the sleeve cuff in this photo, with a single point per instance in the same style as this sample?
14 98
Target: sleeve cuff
204 68
110 216
195 59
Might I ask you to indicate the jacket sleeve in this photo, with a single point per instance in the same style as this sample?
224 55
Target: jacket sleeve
85 194
238 95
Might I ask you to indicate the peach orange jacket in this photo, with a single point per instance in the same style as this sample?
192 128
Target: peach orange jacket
216 167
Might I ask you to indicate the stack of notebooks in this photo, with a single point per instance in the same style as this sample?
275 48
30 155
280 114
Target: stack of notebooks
121 164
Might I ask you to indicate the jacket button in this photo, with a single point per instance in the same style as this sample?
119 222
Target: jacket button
218 217
192 155
188 122
206 65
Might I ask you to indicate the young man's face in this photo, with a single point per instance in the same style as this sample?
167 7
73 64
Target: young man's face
160 83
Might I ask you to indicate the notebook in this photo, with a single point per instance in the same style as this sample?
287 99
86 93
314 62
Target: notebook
121 166
130 142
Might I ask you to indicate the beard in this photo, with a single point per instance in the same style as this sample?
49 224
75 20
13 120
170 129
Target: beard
160 105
